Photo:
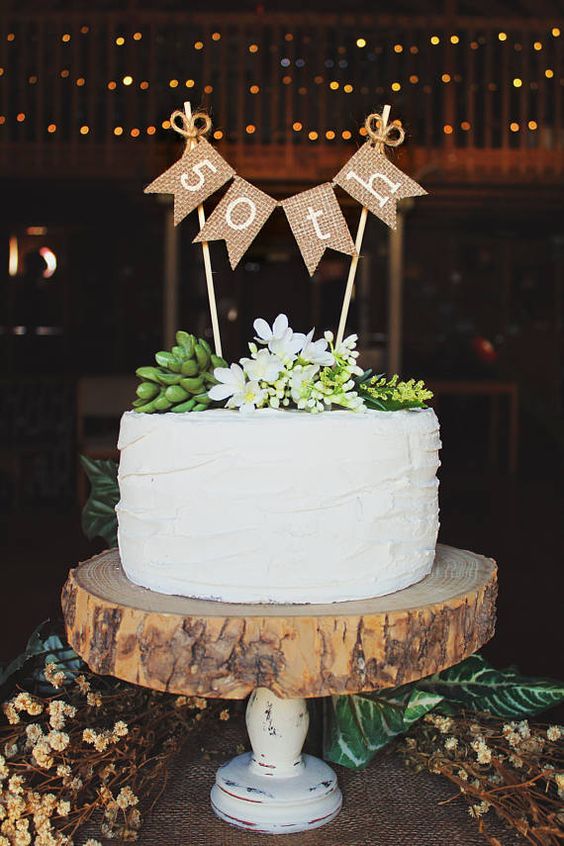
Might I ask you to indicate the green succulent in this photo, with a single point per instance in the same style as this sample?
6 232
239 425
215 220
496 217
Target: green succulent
181 379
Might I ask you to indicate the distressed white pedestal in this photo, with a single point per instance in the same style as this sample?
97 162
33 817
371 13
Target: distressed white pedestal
275 788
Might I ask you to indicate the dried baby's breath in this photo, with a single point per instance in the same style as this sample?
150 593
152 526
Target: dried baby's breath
514 769
96 749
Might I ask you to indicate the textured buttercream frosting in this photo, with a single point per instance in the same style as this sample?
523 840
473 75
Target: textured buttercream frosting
278 506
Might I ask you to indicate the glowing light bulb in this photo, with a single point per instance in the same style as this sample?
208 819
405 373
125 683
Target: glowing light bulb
20 117
135 133
286 80
52 128
514 127
361 42
173 83
137 36
144 85
454 39
165 124
254 89
414 79
198 45
330 135
346 135
127 80
208 89
84 129
465 125
218 134
549 73
333 85
253 48
435 40
118 130
65 38
216 36
347 88
532 124
447 129
250 129
313 136
398 48
517 83
446 77
537 45
396 86
80 81
297 126
502 36
151 130
555 31
120 40
189 83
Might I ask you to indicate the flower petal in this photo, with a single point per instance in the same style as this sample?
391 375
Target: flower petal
262 329
220 392
223 374
280 326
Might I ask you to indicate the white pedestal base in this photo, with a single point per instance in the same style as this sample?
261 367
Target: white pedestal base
275 789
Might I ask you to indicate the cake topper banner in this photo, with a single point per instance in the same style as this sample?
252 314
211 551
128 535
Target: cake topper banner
317 222
314 216
238 218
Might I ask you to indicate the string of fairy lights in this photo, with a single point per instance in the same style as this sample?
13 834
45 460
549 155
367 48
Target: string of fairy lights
333 67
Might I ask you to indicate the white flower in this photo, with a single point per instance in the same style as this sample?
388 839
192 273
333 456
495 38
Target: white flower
301 376
288 346
262 367
266 333
246 400
281 340
235 388
316 351
232 381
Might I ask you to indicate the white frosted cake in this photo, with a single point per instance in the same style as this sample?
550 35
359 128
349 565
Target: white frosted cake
278 506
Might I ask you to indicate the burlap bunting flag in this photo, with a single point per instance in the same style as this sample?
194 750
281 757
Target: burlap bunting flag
196 175
317 222
238 218
376 183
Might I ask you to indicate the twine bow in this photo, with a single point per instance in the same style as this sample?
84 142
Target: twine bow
191 128
381 135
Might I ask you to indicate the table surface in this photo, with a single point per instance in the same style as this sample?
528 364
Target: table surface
222 650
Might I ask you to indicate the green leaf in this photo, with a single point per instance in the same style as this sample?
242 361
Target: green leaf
357 726
98 515
476 685
34 647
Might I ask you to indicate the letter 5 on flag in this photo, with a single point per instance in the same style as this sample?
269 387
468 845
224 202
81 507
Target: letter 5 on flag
375 182
238 218
317 222
196 175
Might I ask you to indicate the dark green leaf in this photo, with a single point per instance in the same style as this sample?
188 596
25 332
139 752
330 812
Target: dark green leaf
357 726
34 647
476 685
98 515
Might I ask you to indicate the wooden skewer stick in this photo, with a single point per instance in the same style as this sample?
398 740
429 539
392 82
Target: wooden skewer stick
355 258
207 261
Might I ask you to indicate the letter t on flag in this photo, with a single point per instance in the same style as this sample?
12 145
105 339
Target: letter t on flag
317 222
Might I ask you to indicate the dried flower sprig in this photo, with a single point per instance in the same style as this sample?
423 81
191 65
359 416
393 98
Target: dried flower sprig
95 751
515 769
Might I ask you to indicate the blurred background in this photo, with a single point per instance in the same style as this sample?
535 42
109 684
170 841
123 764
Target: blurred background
467 293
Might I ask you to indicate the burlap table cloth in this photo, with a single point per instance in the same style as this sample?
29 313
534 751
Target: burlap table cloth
384 805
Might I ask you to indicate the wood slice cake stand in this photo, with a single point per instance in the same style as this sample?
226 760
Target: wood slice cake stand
280 654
